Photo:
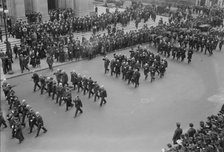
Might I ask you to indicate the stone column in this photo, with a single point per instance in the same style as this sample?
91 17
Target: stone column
83 7
16 9
28 5
42 7
70 4
61 4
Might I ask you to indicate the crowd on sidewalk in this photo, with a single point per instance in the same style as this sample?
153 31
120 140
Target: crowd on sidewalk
55 39
208 138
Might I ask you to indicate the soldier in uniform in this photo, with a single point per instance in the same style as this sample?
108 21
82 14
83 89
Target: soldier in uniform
152 73
189 55
74 78
96 90
146 70
112 66
31 118
79 80
78 105
85 84
40 124
54 89
68 99
103 95
49 85
59 90
18 131
136 77
90 86
58 75
24 111
64 78
36 79
106 64
129 74
42 84
2 120
183 56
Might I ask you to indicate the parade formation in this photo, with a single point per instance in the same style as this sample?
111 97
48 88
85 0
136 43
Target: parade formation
20 114
151 50
60 89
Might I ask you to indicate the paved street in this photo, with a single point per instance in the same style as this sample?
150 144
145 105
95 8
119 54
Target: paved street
141 119
134 119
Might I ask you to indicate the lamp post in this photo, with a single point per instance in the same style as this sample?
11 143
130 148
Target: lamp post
8 46
4 11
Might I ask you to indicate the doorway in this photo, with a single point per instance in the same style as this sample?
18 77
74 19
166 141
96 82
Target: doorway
51 4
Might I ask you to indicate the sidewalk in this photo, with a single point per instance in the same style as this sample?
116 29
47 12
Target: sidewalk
44 66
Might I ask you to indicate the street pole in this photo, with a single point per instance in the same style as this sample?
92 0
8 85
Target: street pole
8 50
5 24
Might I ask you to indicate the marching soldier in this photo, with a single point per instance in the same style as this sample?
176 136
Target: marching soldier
85 84
96 90
40 124
24 111
18 131
42 84
103 95
68 99
189 55
136 77
152 72
90 86
112 66
59 90
49 85
36 80
64 78
78 105
31 118
58 75
74 78
129 74
146 70
54 89
79 80
106 64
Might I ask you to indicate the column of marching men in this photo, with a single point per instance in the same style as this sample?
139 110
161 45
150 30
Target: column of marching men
130 66
58 89
19 114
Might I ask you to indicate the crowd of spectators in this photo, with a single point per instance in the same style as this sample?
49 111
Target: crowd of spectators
208 138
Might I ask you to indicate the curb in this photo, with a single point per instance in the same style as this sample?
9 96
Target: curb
38 70
66 63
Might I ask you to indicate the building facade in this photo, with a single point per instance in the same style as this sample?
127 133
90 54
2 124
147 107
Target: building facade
17 9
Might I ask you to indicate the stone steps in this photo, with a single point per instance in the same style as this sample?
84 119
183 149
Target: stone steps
13 41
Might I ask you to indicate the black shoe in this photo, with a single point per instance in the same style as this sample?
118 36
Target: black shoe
45 131
5 126
36 136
